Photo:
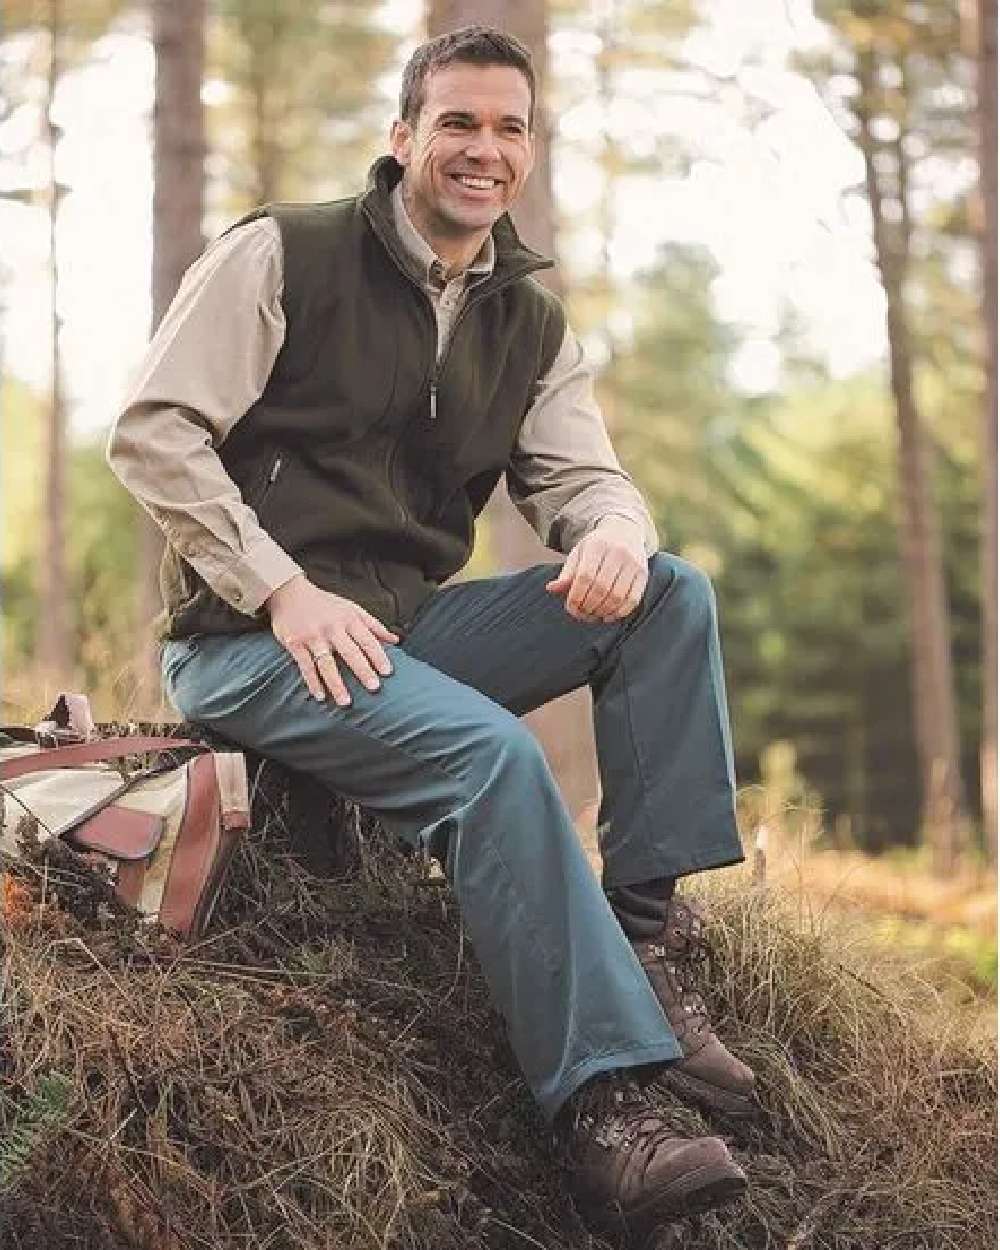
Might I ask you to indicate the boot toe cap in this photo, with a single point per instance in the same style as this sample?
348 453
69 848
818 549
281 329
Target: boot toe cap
716 1065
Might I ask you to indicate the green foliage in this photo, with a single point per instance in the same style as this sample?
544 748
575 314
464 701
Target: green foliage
21 453
968 955
300 117
789 503
101 540
103 547
84 18
43 1110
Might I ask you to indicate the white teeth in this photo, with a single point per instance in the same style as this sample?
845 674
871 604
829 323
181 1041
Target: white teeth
480 184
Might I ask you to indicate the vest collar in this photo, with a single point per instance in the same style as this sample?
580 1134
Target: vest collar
513 258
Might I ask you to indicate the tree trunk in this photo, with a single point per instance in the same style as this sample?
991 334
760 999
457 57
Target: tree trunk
53 643
263 144
944 820
987 69
178 203
565 726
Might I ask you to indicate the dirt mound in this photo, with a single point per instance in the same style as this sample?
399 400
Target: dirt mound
325 1070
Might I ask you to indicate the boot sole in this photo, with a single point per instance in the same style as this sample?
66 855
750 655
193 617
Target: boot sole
711 1097
704 1189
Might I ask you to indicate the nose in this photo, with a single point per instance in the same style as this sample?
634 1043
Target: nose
483 146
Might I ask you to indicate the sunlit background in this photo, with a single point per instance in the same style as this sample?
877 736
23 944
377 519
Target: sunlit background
780 206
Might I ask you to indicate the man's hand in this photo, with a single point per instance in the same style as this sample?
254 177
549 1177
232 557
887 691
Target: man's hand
604 576
313 625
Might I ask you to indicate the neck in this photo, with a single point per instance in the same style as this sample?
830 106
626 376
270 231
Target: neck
455 251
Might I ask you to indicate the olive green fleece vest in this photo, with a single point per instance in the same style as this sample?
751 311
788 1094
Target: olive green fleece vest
364 459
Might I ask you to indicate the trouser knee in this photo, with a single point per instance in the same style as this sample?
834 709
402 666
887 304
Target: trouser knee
687 587
509 799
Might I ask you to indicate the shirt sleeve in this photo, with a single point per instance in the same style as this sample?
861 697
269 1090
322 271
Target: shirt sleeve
564 476
208 362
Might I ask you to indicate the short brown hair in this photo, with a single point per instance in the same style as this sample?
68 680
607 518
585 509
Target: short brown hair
472 45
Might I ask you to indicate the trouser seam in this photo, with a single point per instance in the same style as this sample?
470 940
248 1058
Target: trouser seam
643 780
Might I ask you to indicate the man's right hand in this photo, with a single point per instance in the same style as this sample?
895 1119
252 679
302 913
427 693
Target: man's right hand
313 625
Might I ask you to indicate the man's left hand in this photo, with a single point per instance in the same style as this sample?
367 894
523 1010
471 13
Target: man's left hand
604 576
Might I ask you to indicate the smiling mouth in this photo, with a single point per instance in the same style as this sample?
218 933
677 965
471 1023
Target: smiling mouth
476 182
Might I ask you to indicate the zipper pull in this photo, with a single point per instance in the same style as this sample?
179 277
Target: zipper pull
434 401
275 470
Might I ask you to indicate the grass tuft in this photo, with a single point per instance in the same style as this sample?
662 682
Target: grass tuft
325 1070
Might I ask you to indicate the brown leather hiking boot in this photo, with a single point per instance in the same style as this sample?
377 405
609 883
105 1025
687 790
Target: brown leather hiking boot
709 1074
629 1171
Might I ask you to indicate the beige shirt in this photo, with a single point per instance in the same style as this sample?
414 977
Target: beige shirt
210 360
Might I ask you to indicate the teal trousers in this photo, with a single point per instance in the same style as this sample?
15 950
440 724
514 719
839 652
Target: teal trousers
439 755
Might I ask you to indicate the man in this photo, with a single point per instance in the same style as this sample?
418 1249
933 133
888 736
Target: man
325 409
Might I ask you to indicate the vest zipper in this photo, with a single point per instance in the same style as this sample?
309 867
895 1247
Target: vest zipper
437 368
434 374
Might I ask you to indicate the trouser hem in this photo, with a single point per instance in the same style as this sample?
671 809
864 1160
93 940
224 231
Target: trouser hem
656 1052
707 859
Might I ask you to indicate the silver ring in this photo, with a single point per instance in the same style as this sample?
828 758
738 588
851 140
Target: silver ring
318 655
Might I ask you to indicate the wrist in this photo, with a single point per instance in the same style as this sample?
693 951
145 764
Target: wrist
628 527
279 592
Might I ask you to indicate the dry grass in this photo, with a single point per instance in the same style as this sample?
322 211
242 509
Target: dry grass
898 884
326 1071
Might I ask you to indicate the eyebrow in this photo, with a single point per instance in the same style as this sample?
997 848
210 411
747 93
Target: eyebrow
461 115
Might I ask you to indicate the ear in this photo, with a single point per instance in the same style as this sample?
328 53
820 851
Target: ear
401 141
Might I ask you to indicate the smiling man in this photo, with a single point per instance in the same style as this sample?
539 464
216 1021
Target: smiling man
466 153
324 411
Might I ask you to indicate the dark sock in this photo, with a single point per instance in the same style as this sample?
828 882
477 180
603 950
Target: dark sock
642 908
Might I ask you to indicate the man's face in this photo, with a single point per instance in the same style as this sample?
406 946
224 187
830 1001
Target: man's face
469 151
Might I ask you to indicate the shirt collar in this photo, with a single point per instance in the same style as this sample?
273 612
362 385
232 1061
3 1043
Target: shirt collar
429 265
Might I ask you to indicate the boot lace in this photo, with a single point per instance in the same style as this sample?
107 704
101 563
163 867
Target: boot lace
613 1112
686 955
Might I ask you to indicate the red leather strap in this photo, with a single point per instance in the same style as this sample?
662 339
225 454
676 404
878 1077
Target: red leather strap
129 880
90 753
196 847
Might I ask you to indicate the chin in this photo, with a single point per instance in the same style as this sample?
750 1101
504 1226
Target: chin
480 219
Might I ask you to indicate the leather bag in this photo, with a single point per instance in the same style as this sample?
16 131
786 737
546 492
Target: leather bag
167 832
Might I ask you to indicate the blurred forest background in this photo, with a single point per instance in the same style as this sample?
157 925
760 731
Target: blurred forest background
775 222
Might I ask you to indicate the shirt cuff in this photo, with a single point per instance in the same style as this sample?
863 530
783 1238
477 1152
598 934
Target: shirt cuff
248 581
644 524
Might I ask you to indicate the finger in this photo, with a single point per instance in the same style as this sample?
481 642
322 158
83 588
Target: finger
564 578
638 591
370 645
326 666
377 628
627 592
583 583
356 661
600 587
621 579
307 667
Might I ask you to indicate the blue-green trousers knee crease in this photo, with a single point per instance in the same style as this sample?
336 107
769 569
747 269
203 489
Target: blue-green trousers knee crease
439 755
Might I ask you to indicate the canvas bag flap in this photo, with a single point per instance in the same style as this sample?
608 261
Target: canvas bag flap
55 797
